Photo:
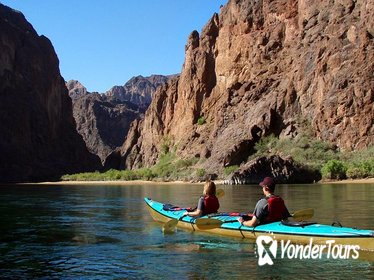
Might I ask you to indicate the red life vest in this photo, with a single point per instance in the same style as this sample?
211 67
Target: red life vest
211 204
276 208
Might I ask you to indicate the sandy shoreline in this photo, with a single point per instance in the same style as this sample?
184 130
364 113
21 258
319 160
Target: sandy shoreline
109 183
350 181
141 182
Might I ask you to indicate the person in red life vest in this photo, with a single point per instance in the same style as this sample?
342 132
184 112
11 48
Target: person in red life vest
269 209
208 203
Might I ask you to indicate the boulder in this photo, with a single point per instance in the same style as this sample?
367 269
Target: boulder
284 171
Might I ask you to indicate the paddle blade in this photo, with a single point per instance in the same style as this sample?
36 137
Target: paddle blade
220 193
169 226
208 223
303 215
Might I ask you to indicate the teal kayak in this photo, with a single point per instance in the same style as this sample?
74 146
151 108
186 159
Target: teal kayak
296 232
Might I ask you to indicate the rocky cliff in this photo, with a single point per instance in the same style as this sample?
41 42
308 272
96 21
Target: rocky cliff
104 120
138 90
38 140
261 68
76 89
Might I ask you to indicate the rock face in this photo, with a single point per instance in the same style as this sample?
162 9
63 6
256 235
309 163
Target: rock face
138 90
104 120
258 68
282 170
37 128
76 89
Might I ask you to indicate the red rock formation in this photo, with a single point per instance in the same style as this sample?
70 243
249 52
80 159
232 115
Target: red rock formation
38 140
259 67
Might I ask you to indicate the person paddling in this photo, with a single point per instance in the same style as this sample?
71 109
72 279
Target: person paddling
208 203
269 209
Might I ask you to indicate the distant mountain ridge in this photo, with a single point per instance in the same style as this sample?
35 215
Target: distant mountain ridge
76 89
138 90
104 119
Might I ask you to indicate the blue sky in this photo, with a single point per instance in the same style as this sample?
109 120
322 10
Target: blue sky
103 43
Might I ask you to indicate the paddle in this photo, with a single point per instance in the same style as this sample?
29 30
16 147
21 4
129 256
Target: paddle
169 226
303 215
209 223
220 193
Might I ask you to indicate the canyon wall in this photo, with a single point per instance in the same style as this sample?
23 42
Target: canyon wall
104 119
38 139
260 68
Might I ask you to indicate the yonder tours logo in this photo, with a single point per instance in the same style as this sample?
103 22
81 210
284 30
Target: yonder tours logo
267 249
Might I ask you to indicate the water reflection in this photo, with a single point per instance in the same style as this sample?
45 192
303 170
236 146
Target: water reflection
106 232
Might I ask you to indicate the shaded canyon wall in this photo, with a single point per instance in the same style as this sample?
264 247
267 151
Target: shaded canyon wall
38 139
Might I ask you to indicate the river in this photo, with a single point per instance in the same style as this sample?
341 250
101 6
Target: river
105 232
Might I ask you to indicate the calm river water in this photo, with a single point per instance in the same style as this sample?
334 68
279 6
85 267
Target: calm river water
105 232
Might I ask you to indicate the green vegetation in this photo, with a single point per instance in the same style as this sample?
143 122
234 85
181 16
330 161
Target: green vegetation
201 120
112 175
360 164
168 168
200 172
230 169
334 169
165 145
305 150
320 156
352 165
